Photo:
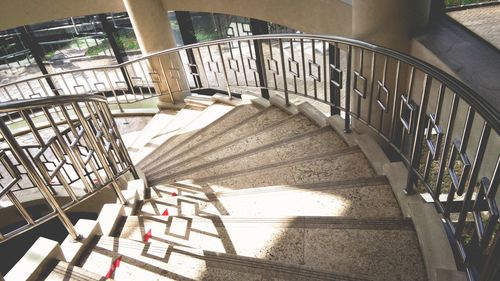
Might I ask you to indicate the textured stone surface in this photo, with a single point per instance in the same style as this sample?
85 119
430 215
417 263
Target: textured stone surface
290 127
153 261
381 254
268 117
183 127
235 116
331 199
64 271
347 165
384 252
320 141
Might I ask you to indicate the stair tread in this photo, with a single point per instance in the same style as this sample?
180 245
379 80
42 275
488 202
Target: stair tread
344 164
323 140
290 127
219 126
374 199
185 122
268 116
157 261
386 249
160 121
163 130
64 271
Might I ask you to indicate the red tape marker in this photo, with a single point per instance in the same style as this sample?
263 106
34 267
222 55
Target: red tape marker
147 236
114 265
174 194
165 213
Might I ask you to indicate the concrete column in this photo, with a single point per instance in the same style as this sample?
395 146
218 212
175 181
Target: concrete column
391 24
154 33
388 22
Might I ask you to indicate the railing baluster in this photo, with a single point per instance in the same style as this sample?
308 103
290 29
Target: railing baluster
36 179
417 144
347 120
98 150
466 205
224 71
283 69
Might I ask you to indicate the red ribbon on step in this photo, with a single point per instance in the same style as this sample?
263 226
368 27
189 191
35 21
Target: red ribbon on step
147 236
165 213
174 194
114 265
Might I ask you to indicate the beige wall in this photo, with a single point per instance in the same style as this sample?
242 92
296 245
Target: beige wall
331 17
22 12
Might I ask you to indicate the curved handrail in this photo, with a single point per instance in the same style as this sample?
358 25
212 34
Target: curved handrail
373 84
80 145
486 109
47 101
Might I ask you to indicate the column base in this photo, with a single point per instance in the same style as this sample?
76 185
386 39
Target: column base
169 105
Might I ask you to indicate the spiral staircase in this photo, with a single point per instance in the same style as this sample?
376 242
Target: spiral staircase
260 182
248 191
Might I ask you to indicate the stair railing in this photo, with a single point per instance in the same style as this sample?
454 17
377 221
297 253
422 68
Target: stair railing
445 133
78 154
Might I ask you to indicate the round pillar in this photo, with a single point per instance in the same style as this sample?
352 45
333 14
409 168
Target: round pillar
391 24
154 33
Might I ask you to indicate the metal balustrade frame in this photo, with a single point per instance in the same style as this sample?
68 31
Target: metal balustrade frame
445 133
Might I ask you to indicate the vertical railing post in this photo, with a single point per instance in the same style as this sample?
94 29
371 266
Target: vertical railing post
259 27
37 52
283 68
334 62
347 120
419 133
189 37
37 179
109 30
224 68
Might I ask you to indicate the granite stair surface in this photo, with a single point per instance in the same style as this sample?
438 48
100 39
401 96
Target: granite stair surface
251 190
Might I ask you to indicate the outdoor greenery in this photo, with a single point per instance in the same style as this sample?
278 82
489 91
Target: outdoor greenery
454 3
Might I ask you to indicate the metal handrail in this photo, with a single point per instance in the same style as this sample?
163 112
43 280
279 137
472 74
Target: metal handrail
440 128
81 145
490 113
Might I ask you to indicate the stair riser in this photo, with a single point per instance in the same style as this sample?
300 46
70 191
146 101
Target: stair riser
226 121
346 246
320 141
280 131
269 116
369 201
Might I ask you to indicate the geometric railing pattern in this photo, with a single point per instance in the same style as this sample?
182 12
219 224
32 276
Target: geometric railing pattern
445 133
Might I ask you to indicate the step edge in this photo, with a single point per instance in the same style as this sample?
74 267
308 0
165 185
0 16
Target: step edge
217 148
239 124
254 151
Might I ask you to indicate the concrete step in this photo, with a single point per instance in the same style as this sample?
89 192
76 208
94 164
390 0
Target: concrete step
160 261
344 164
288 128
165 125
235 116
160 121
359 198
382 248
208 116
182 128
324 140
63 271
251 126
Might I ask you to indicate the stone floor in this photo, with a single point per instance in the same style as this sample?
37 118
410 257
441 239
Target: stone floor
483 21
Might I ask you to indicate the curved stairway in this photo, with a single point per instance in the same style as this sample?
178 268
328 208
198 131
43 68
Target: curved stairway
248 191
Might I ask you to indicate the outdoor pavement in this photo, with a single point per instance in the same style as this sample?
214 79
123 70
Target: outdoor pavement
483 21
